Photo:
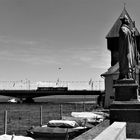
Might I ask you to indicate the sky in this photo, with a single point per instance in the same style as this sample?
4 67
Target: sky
43 40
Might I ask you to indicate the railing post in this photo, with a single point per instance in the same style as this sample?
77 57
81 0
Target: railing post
60 111
75 107
5 122
41 116
84 103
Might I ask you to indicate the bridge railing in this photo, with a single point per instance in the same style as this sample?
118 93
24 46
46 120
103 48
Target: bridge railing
72 85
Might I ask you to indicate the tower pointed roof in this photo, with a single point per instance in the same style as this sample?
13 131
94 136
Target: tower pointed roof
114 32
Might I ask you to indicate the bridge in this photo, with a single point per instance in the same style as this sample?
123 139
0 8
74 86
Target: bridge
28 95
28 90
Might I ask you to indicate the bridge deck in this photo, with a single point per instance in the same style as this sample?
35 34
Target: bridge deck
37 93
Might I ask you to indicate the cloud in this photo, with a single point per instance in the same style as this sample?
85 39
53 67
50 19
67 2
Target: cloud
33 52
42 52
9 40
91 57
29 58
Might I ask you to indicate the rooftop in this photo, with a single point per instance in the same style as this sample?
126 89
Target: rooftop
114 32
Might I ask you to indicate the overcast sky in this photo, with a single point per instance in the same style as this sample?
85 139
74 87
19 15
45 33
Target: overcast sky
37 37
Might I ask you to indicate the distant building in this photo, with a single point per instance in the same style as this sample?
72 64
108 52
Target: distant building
112 45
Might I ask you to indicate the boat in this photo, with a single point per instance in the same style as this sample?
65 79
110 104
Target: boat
57 128
14 137
91 117
13 100
88 119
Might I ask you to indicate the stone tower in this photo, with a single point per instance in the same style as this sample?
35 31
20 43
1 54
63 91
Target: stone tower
113 35
111 75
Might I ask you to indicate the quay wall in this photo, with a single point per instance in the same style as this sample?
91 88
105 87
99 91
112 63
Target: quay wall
116 131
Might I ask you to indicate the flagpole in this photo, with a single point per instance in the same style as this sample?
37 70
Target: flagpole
58 80
92 85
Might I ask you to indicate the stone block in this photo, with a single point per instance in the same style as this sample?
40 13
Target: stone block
129 112
133 130
117 131
126 90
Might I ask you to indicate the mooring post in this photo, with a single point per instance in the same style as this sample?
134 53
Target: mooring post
5 122
67 135
40 115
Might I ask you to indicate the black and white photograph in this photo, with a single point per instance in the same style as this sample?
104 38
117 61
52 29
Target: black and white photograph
69 69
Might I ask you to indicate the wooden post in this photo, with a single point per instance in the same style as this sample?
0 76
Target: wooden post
75 107
5 122
60 111
84 104
40 115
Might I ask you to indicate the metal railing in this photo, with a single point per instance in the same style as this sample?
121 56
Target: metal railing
20 117
72 85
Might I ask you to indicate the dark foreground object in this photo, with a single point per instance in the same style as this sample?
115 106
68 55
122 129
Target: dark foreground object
126 107
127 111
55 132
126 90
